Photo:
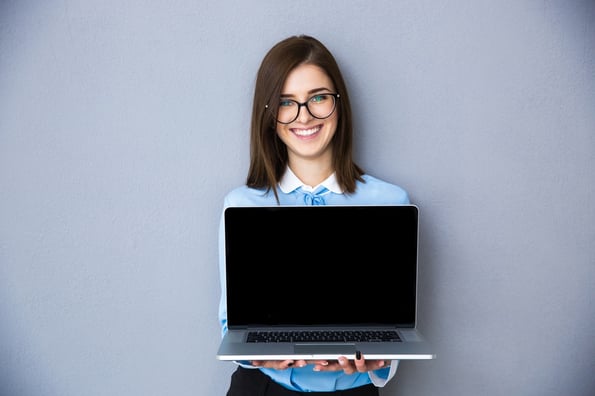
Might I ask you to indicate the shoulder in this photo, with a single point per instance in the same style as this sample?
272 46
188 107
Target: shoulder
246 196
378 191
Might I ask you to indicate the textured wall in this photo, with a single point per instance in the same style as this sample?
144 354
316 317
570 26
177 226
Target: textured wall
123 124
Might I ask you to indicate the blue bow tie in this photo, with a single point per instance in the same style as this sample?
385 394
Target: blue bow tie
315 198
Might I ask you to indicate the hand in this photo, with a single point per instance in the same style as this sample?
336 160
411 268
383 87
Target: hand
351 366
285 364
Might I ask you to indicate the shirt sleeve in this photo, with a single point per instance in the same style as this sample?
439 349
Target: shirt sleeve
381 377
222 300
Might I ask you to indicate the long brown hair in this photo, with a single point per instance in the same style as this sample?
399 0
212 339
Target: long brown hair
268 154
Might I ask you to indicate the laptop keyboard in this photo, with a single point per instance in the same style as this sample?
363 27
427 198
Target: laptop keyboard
324 336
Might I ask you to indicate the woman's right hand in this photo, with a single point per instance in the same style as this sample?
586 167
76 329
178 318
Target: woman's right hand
348 366
285 364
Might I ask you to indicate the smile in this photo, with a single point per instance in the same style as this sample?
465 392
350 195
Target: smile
306 132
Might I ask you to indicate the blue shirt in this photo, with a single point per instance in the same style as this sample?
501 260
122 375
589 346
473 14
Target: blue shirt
291 191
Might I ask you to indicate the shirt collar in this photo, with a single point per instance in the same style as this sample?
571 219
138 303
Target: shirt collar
290 182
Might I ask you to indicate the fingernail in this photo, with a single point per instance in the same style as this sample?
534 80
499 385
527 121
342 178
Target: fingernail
358 355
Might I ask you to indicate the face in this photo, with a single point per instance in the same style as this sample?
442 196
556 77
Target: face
307 137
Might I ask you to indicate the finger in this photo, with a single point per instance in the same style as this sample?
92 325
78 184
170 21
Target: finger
319 362
300 363
345 365
324 365
360 362
286 364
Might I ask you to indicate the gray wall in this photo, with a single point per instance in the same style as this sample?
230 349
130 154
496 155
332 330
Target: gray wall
123 124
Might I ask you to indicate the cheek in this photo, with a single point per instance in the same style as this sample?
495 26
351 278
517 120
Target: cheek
333 123
282 132
278 130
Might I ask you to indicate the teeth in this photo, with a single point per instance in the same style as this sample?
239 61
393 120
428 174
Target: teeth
306 132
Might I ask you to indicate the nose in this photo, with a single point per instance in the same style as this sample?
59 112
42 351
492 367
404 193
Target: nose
303 114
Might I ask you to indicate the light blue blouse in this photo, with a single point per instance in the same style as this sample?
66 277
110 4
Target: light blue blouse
372 191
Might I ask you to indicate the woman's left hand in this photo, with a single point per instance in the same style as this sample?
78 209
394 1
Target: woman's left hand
360 365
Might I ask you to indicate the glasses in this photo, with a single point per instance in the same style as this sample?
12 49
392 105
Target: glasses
319 106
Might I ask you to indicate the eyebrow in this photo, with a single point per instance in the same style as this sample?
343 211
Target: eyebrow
310 92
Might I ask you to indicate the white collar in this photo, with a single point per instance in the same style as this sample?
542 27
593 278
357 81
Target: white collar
290 182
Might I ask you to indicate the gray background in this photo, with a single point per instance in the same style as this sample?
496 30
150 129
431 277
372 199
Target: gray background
123 124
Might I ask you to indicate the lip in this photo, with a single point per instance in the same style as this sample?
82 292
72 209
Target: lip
306 133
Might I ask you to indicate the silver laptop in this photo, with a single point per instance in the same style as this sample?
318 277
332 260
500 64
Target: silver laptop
319 282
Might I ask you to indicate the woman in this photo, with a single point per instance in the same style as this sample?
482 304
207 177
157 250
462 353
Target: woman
301 154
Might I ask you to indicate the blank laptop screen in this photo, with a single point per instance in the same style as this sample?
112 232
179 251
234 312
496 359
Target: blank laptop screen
321 265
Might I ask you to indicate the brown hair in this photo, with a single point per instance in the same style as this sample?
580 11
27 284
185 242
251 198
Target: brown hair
268 154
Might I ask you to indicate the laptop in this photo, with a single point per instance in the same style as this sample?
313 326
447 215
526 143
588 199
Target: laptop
319 282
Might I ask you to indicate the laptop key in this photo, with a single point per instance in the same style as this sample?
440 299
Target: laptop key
323 336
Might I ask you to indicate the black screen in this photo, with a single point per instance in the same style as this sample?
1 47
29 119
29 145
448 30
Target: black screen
319 265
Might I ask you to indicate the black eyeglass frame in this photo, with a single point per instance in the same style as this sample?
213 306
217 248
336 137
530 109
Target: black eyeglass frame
336 96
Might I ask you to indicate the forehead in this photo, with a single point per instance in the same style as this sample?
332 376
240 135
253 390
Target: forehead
306 78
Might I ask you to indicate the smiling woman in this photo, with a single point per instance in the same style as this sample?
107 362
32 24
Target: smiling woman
301 154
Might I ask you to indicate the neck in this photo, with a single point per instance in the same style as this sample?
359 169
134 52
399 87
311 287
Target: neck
311 172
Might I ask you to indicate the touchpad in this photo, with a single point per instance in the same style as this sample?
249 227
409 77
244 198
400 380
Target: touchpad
324 349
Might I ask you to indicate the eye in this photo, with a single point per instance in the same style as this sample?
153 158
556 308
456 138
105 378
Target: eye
286 103
318 98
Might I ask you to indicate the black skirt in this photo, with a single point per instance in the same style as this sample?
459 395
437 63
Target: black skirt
253 382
